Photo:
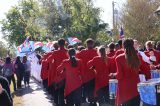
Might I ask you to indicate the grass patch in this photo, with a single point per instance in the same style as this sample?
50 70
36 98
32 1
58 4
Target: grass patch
17 100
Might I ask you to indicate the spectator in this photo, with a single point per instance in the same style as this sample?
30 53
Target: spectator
4 98
8 72
39 58
19 70
27 68
5 95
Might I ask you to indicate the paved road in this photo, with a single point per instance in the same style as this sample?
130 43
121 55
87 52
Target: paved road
34 95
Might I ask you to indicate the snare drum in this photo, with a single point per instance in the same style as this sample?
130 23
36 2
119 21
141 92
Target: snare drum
155 74
112 88
149 92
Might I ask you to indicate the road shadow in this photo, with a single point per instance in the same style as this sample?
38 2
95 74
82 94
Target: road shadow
34 86
23 91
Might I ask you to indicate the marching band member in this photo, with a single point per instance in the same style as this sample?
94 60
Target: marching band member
117 47
151 51
128 65
121 50
111 50
72 69
88 75
44 70
103 66
51 71
80 48
145 62
93 77
55 60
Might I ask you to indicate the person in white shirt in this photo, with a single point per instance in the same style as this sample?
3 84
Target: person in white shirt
27 72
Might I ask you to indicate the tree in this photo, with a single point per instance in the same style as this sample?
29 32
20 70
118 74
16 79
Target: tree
22 21
52 19
3 50
73 18
103 37
139 19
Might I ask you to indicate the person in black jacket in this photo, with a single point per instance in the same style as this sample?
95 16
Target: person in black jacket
5 100
6 89
19 70
5 84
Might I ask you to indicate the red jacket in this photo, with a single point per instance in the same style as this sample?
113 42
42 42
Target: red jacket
56 59
127 81
72 75
45 66
118 52
111 53
50 70
157 55
102 71
85 56
145 68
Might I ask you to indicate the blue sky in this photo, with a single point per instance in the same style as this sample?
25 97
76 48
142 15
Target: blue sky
105 5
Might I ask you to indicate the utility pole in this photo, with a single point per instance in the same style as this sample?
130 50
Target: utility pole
113 5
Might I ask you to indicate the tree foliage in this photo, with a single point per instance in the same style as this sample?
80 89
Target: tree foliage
74 18
139 19
53 20
21 21
103 39
3 50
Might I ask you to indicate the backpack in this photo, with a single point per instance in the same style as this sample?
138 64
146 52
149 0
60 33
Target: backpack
7 71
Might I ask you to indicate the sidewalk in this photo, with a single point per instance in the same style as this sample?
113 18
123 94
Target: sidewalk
33 95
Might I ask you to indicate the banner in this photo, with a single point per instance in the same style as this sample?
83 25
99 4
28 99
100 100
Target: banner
73 40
